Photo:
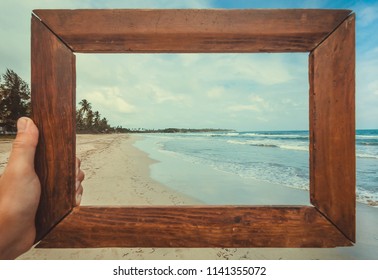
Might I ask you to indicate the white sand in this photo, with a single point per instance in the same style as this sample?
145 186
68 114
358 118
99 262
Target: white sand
118 174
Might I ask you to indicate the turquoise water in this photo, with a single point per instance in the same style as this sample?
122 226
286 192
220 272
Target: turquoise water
276 157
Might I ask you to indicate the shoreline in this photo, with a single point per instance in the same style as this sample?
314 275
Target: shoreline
216 187
112 162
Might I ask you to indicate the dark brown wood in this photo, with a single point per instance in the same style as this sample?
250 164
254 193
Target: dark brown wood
232 226
192 30
56 33
53 110
332 125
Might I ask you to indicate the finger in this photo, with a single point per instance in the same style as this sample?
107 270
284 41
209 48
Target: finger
78 195
80 176
23 148
77 165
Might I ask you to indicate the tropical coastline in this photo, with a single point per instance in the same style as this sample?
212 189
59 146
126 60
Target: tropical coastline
273 158
118 173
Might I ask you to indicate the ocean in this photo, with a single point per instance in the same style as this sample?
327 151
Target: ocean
275 157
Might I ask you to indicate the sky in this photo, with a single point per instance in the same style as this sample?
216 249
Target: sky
234 91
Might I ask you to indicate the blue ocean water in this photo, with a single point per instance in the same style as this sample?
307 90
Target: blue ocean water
280 157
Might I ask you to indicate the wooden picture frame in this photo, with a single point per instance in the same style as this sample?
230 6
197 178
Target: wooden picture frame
329 38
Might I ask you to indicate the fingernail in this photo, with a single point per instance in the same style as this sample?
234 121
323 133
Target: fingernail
22 124
78 198
77 167
77 185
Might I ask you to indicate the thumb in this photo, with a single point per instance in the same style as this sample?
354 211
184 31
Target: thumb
23 148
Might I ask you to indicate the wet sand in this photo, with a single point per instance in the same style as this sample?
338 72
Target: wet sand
117 173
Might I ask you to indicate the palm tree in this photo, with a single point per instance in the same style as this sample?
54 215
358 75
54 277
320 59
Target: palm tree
85 106
104 126
79 121
89 120
14 99
84 116
96 120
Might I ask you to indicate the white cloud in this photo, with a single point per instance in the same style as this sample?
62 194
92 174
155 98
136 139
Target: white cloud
193 88
373 87
258 100
367 15
264 69
238 108
290 102
255 103
161 95
216 92
167 85
109 98
169 4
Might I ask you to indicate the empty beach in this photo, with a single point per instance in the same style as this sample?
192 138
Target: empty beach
118 173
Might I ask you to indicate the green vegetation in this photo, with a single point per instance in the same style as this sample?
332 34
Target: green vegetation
15 103
89 121
14 100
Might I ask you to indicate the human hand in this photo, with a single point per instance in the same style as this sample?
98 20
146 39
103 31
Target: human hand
79 177
20 191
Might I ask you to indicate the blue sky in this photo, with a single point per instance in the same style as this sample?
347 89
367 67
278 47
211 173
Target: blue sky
240 91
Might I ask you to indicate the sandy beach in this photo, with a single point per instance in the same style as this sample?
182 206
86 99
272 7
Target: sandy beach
117 173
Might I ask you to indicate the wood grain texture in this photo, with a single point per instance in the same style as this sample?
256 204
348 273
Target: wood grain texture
52 97
232 226
192 30
332 157
332 126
